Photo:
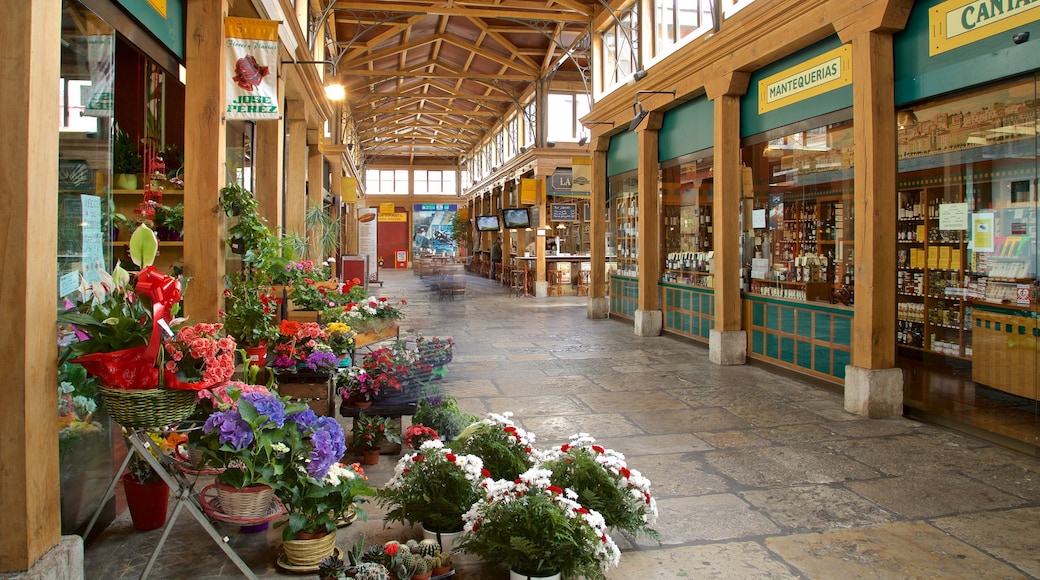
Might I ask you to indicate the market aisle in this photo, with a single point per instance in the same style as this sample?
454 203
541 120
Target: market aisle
757 474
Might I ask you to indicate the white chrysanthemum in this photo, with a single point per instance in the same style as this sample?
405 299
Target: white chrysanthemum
280 447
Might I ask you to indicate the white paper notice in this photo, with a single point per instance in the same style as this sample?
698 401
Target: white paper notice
953 216
93 241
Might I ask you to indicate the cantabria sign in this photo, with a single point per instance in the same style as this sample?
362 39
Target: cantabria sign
956 23
818 75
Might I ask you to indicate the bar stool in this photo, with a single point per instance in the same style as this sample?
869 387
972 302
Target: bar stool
554 283
519 282
584 282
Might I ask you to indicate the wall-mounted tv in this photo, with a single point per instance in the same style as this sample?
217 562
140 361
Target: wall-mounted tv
516 217
488 223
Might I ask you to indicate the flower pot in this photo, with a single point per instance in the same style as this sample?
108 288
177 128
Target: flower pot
147 502
256 528
370 456
306 550
441 571
361 404
425 576
249 502
445 539
518 576
257 355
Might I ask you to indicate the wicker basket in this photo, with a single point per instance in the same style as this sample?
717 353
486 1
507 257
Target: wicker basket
148 408
249 502
309 552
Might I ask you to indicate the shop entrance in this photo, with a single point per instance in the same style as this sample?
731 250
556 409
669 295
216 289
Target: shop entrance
967 260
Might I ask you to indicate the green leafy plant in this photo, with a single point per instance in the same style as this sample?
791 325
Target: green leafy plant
504 447
316 504
106 320
323 228
604 483
250 311
125 154
532 527
441 413
432 486
170 216
372 430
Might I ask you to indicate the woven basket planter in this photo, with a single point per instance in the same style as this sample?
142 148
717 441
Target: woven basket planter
148 408
309 552
248 502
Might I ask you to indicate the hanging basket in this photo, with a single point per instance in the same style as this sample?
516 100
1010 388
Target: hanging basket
148 408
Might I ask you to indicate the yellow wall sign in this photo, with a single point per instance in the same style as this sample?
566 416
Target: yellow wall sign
528 191
393 217
386 207
818 75
956 23
348 189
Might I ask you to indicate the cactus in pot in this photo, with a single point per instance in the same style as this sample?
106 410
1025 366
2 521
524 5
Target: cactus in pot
441 563
372 571
428 547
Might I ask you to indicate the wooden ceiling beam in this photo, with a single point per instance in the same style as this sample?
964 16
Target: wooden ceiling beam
454 9
432 75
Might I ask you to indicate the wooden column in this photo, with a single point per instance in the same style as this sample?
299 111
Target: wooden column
30 521
873 384
315 195
727 341
204 157
541 280
598 307
270 156
335 156
295 168
648 320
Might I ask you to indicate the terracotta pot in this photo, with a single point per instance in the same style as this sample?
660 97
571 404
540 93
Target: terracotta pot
441 571
147 502
370 456
425 576
361 404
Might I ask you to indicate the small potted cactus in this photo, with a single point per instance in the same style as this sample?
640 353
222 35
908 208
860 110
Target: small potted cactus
372 571
441 563
332 568
422 567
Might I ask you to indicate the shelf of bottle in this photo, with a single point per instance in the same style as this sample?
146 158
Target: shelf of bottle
918 242
925 350
908 295
911 219
910 320
947 326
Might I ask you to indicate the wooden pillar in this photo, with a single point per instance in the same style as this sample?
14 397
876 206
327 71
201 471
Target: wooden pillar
268 170
30 521
295 168
541 281
315 198
727 342
204 157
649 319
335 158
599 306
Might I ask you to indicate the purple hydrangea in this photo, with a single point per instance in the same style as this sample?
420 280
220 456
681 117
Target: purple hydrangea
328 444
304 419
321 361
283 362
268 405
233 429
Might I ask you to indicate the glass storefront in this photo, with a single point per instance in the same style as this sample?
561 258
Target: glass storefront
686 211
967 259
622 242
798 222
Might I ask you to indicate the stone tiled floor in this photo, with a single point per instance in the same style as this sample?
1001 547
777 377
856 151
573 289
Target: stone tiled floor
757 474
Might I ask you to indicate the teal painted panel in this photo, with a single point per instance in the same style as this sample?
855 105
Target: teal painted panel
787 350
772 317
843 331
706 327
805 323
823 327
822 359
841 358
758 314
772 348
623 153
787 320
919 76
687 128
758 342
169 30
751 123
694 303
804 354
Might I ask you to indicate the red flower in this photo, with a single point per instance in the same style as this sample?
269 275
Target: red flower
625 472
582 510
404 302
450 457
565 448
597 449
555 489
418 457
391 549
485 472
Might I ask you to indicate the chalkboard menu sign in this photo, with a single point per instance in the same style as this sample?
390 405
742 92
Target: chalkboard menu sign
563 212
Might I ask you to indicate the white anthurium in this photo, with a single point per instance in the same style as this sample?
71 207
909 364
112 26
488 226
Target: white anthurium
120 277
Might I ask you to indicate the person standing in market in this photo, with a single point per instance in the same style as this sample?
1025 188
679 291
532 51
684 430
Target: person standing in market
496 256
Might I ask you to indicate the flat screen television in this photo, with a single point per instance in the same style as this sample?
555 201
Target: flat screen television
516 217
488 223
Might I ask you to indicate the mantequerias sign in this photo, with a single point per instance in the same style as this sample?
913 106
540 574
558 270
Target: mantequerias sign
818 75
956 23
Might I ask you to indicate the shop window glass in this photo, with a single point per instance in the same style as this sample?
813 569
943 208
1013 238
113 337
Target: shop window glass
686 202
623 234
798 223
967 257
675 20
620 49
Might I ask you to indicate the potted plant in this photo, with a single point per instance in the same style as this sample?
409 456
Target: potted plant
441 413
147 495
505 448
252 443
250 314
356 386
169 222
127 161
435 487
370 431
341 338
535 529
416 435
604 483
317 502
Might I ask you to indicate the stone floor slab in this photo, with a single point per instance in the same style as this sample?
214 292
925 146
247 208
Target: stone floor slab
817 508
679 475
686 420
642 445
764 467
744 560
932 494
620 402
709 518
1011 535
899 550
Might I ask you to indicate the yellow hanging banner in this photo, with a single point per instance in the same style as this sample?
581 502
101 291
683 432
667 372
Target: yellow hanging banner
528 191
386 207
348 189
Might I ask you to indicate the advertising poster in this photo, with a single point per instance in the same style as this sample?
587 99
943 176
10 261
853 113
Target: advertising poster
982 231
251 58
431 229
367 239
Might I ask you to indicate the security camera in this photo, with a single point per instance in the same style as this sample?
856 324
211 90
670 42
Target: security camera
1020 37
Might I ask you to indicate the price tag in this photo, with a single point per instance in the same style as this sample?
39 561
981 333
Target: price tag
1022 294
